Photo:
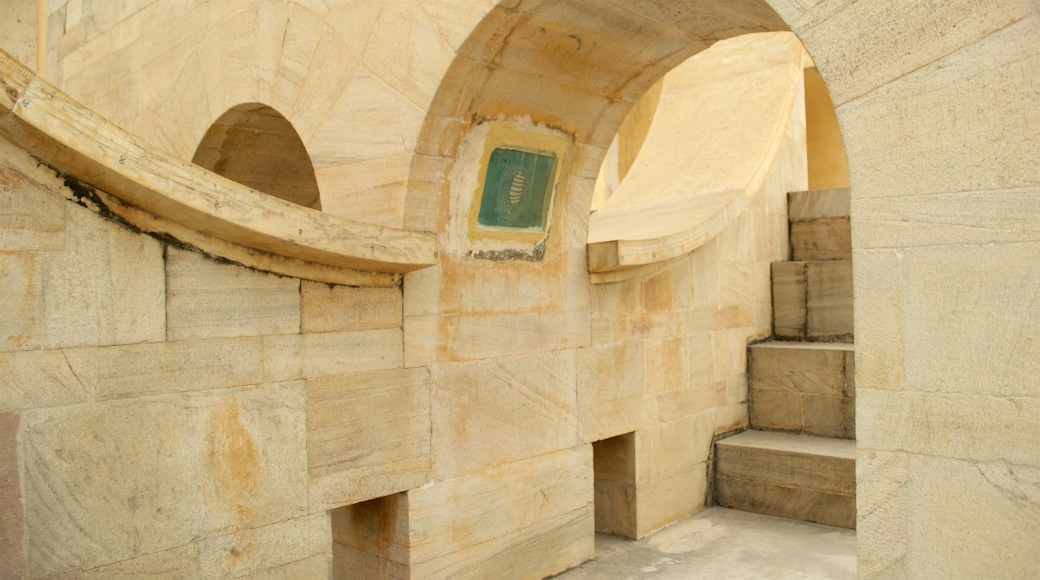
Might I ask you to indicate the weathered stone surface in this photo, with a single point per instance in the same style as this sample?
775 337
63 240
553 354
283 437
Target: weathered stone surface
798 367
881 508
828 299
82 307
948 118
978 217
167 367
610 383
479 336
878 310
35 379
821 239
368 435
110 482
1005 362
316 566
22 286
668 500
503 532
818 203
179 563
305 356
12 518
897 45
265 549
792 460
325 308
789 315
955 506
667 365
31 217
502 410
207 299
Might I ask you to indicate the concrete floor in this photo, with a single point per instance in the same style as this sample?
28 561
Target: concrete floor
723 543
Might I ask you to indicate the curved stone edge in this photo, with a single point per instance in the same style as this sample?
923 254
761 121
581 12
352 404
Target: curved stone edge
203 206
614 258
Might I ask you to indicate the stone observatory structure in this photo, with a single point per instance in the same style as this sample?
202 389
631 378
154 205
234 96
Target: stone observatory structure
437 289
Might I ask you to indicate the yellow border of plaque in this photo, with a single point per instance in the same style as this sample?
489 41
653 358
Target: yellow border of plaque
510 137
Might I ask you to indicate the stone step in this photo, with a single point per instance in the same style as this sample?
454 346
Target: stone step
799 477
813 300
820 224
803 387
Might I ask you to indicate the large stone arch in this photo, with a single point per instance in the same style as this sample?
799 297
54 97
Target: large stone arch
937 107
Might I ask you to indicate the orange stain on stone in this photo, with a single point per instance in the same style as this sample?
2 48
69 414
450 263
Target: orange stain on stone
233 458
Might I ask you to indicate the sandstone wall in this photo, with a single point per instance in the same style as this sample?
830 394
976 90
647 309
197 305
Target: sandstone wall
164 412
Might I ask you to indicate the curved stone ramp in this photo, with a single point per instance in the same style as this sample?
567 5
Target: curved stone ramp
220 216
719 128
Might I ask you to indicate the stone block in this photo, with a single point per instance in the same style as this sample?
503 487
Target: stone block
675 497
789 294
370 191
114 481
798 367
776 411
700 352
957 102
670 289
325 308
611 418
502 410
881 513
828 299
480 336
818 203
167 367
915 39
610 373
797 460
963 218
821 239
956 507
305 356
679 445
620 327
208 299
12 518
265 549
316 566
34 379
31 217
22 287
530 519
829 416
878 310
368 435
731 352
984 313
179 563
796 503
82 307
667 365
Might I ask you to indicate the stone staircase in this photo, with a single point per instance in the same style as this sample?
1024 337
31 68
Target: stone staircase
797 460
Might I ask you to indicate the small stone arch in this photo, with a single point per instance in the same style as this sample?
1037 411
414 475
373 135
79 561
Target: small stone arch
255 145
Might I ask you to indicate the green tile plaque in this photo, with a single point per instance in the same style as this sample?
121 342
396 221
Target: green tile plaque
517 189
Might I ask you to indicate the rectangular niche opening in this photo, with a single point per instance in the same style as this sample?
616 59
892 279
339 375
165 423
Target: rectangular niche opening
614 475
370 539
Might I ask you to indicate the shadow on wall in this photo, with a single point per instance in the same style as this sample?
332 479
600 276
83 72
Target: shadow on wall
254 145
